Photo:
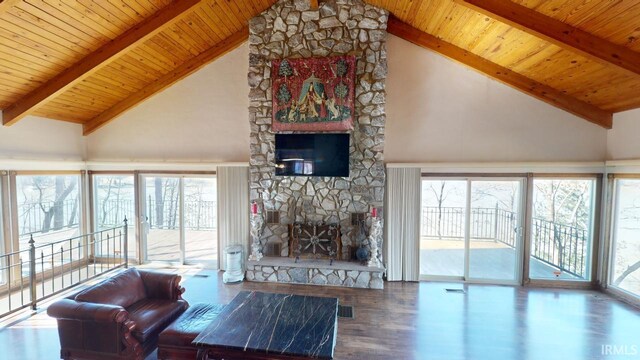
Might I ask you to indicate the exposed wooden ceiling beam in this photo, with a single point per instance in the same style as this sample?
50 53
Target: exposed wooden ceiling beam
167 80
98 59
556 32
540 91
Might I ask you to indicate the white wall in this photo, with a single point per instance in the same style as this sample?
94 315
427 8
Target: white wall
437 111
34 138
204 117
441 111
623 140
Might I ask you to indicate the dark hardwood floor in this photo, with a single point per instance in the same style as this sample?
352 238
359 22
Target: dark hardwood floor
422 321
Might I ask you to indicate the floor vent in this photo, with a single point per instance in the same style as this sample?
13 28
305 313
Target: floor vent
201 275
345 311
459 291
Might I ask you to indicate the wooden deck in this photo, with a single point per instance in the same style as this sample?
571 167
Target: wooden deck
200 246
408 321
487 260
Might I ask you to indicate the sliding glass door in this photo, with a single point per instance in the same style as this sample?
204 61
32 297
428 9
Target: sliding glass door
163 215
470 229
179 216
113 201
442 235
561 229
494 245
200 220
625 256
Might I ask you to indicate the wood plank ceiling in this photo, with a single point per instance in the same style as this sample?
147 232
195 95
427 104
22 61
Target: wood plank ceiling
88 61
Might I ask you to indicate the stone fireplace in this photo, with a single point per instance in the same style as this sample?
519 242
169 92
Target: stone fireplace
291 29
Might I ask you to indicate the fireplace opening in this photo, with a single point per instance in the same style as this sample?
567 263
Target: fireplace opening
315 241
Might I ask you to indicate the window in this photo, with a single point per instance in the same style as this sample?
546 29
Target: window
625 259
48 208
115 200
561 228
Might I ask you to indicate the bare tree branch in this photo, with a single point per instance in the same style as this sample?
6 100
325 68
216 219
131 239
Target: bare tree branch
630 270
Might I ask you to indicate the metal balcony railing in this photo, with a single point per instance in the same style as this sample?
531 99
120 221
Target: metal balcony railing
559 245
199 215
41 271
32 216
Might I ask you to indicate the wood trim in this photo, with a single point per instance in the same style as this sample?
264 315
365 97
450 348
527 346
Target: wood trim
167 80
615 176
586 176
560 284
490 175
168 173
520 82
48 173
93 62
622 295
557 32
597 222
116 172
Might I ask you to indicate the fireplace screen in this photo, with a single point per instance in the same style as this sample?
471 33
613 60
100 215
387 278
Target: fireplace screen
315 241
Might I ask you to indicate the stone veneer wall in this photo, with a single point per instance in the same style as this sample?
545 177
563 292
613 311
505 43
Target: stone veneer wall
290 29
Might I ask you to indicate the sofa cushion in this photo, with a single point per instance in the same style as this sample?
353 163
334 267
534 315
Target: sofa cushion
123 289
189 325
151 316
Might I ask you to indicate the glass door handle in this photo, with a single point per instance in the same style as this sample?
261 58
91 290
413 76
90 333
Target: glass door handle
518 231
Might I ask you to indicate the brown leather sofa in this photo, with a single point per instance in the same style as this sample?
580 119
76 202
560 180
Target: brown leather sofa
119 318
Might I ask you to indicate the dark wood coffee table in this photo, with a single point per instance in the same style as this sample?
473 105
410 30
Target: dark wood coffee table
257 325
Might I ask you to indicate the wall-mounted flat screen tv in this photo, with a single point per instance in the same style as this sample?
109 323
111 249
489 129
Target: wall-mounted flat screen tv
312 155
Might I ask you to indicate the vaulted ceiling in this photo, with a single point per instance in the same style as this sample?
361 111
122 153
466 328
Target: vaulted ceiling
89 61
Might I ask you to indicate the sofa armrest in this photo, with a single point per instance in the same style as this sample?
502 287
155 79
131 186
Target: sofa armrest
162 286
76 310
90 330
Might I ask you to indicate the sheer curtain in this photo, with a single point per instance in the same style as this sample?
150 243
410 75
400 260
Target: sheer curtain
233 209
402 224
